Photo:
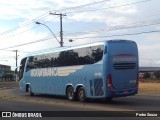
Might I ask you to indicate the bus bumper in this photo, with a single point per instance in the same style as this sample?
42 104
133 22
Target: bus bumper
22 87
123 93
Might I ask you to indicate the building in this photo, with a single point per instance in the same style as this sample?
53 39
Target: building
5 72
5 68
150 70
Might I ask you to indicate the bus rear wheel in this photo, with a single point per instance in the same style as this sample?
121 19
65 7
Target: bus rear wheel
70 93
81 94
109 99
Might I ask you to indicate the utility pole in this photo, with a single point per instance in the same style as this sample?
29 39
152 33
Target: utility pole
61 31
16 58
16 63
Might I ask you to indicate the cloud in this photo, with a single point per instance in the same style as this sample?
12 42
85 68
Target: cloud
21 37
126 10
149 48
22 9
115 21
90 17
111 17
123 7
14 10
29 9
2 29
153 37
109 20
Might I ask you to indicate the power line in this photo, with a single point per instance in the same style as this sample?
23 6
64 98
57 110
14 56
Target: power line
23 25
111 7
20 33
84 5
46 50
14 50
152 22
44 15
153 59
75 7
84 37
61 31
129 26
19 45
145 32
7 50
66 8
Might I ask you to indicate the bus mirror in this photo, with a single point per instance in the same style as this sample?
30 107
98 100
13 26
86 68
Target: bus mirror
16 71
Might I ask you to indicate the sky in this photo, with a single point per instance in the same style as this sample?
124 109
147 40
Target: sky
85 22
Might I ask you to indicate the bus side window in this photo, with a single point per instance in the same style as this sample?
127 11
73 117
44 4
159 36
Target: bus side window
97 53
21 70
30 63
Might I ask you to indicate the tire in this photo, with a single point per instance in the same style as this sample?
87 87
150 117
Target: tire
109 99
81 94
70 93
30 93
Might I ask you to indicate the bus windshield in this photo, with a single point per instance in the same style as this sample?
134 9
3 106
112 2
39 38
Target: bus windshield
21 70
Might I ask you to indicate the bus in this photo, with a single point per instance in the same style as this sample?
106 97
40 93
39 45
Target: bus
102 70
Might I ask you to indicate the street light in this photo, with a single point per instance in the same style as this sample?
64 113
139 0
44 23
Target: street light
70 40
51 32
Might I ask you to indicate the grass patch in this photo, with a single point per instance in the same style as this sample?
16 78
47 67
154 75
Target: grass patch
149 86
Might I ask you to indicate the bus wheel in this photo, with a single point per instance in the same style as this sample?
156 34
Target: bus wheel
70 93
81 94
29 91
109 99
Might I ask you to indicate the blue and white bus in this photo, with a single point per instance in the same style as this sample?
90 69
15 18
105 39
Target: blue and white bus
99 70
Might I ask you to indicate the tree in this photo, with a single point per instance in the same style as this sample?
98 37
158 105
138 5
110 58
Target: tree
97 54
8 75
146 75
157 75
67 58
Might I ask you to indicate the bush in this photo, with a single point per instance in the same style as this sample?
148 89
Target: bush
157 75
146 75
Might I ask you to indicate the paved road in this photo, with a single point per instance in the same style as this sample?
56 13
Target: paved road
147 102
14 100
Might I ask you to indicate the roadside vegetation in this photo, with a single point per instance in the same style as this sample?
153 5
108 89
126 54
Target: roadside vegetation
149 86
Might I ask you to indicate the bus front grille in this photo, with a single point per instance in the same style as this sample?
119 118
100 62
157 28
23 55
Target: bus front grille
124 65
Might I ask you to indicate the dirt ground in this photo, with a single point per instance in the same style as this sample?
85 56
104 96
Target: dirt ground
149 86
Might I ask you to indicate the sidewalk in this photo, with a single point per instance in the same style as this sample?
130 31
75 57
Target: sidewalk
8 85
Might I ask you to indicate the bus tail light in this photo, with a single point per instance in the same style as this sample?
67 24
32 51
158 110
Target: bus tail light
109 82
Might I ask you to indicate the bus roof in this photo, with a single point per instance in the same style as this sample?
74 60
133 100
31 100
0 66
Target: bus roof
76 47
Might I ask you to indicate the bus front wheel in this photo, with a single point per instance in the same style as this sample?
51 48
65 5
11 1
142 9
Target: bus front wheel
70 93
29 90
81 94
